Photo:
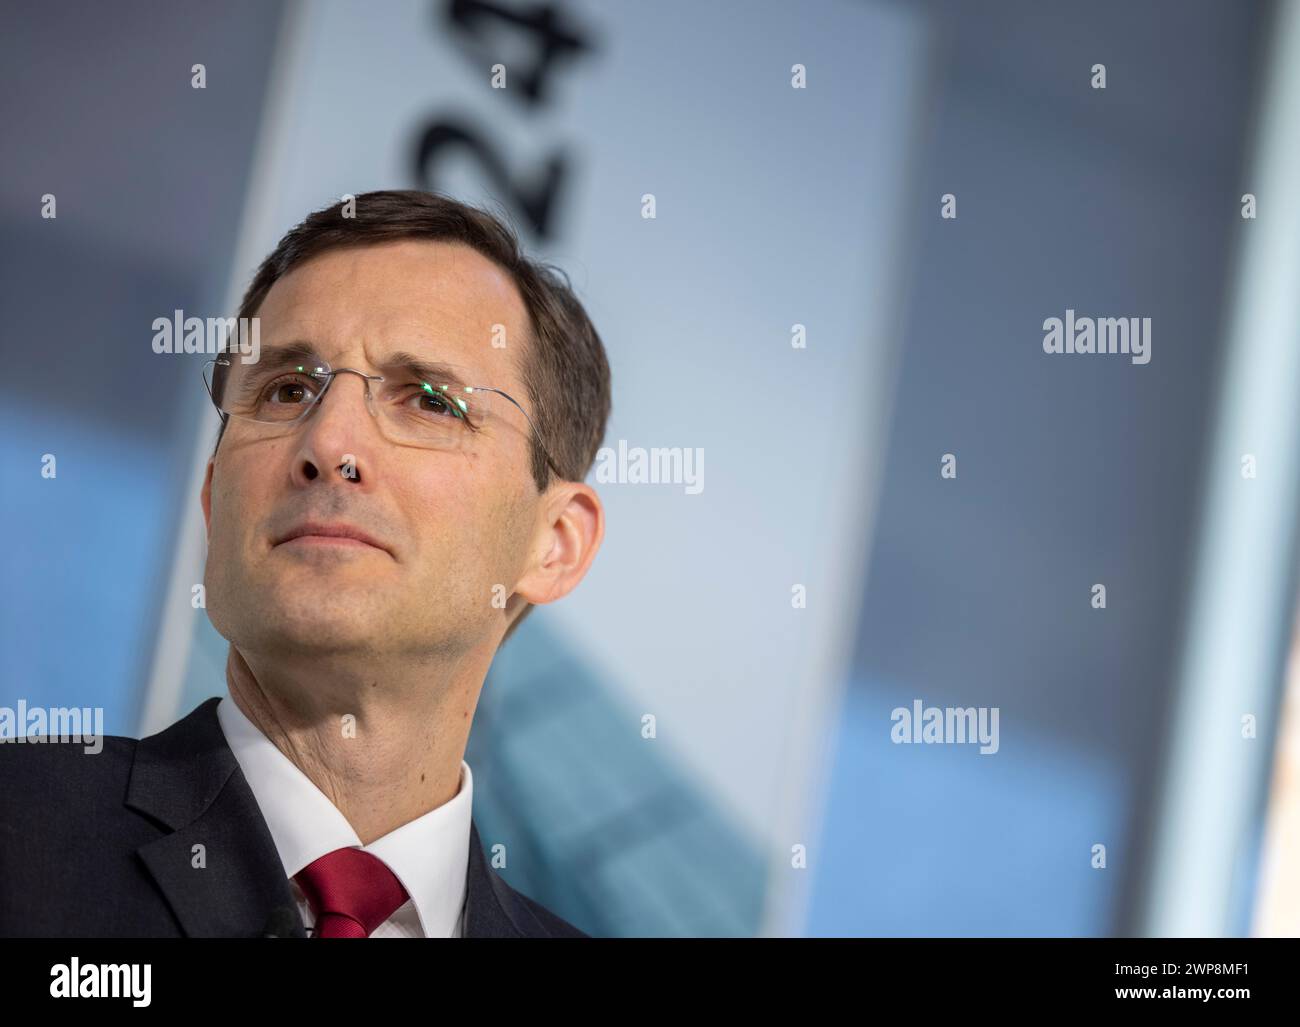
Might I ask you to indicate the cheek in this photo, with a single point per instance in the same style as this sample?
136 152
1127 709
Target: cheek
235 487
221 564
464 523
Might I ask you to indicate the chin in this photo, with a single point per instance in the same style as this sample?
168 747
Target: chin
320 620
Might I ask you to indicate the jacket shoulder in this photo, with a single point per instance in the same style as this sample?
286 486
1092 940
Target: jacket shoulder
41 770
55 794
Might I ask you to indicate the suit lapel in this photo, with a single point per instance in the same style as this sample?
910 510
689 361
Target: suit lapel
186 778
494 909
488 901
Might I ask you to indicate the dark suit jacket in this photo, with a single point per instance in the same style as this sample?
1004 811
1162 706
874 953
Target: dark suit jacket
100 845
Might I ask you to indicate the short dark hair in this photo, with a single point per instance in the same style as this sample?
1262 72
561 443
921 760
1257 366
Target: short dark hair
565 372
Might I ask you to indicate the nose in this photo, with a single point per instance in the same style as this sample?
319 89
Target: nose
333 440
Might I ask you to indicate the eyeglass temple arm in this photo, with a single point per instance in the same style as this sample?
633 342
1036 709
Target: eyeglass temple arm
545 452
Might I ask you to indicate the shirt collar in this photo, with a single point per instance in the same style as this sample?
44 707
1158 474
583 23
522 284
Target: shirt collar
429 855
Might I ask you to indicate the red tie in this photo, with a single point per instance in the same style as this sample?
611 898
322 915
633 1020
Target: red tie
351 892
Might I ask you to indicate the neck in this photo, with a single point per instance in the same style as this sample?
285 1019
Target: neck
384 744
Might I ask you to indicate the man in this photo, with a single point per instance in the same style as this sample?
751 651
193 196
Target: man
398 478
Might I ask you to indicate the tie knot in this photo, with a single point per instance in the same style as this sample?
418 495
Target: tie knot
351 892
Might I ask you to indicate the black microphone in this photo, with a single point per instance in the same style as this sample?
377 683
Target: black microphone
282 923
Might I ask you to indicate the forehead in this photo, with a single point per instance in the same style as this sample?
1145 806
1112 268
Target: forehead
436 300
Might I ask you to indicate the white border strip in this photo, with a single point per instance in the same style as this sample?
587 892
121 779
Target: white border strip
1238 620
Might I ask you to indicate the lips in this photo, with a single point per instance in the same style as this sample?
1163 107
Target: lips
319 531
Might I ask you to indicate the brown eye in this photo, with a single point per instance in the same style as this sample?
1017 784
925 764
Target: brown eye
434 404
289 392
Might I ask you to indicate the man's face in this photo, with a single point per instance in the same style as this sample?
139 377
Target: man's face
451 524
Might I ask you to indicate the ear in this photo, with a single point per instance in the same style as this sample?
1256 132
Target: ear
568 534
205 499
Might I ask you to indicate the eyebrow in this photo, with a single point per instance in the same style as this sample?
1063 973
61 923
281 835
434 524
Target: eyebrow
289 353
425 370
434 371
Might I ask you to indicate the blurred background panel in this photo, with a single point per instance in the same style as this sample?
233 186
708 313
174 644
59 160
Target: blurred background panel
1072 470
769 623
149 178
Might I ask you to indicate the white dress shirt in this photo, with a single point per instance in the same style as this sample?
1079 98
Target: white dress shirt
429 855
